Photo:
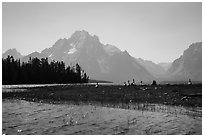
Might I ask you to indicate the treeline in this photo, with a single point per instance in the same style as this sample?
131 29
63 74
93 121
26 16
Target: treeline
37 71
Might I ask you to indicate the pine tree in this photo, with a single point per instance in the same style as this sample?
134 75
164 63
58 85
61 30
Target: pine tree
37 71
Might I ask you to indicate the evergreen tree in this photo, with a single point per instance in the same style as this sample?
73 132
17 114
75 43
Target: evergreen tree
37 71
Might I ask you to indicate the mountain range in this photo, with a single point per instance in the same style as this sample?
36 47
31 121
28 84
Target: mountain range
107 62
13 52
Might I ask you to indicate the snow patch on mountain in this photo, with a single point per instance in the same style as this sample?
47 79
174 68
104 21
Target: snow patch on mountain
72 50
50 55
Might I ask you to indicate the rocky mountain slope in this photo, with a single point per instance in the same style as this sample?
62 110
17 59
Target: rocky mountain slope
102 62
165 66
189 65
156 70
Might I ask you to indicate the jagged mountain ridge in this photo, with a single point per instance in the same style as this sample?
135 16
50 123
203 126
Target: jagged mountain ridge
103 62
107 62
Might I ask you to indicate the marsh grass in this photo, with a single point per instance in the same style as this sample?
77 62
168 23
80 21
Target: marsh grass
164 99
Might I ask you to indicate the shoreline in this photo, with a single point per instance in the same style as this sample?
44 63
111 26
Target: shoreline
173 95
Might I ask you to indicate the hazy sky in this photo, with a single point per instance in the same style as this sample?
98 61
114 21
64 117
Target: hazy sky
153 31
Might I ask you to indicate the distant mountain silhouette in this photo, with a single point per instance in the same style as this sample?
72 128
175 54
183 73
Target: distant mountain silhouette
33 55
108 63
165 66
12 52
189 65
155 69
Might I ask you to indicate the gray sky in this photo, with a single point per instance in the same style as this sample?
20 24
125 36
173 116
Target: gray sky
154 31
